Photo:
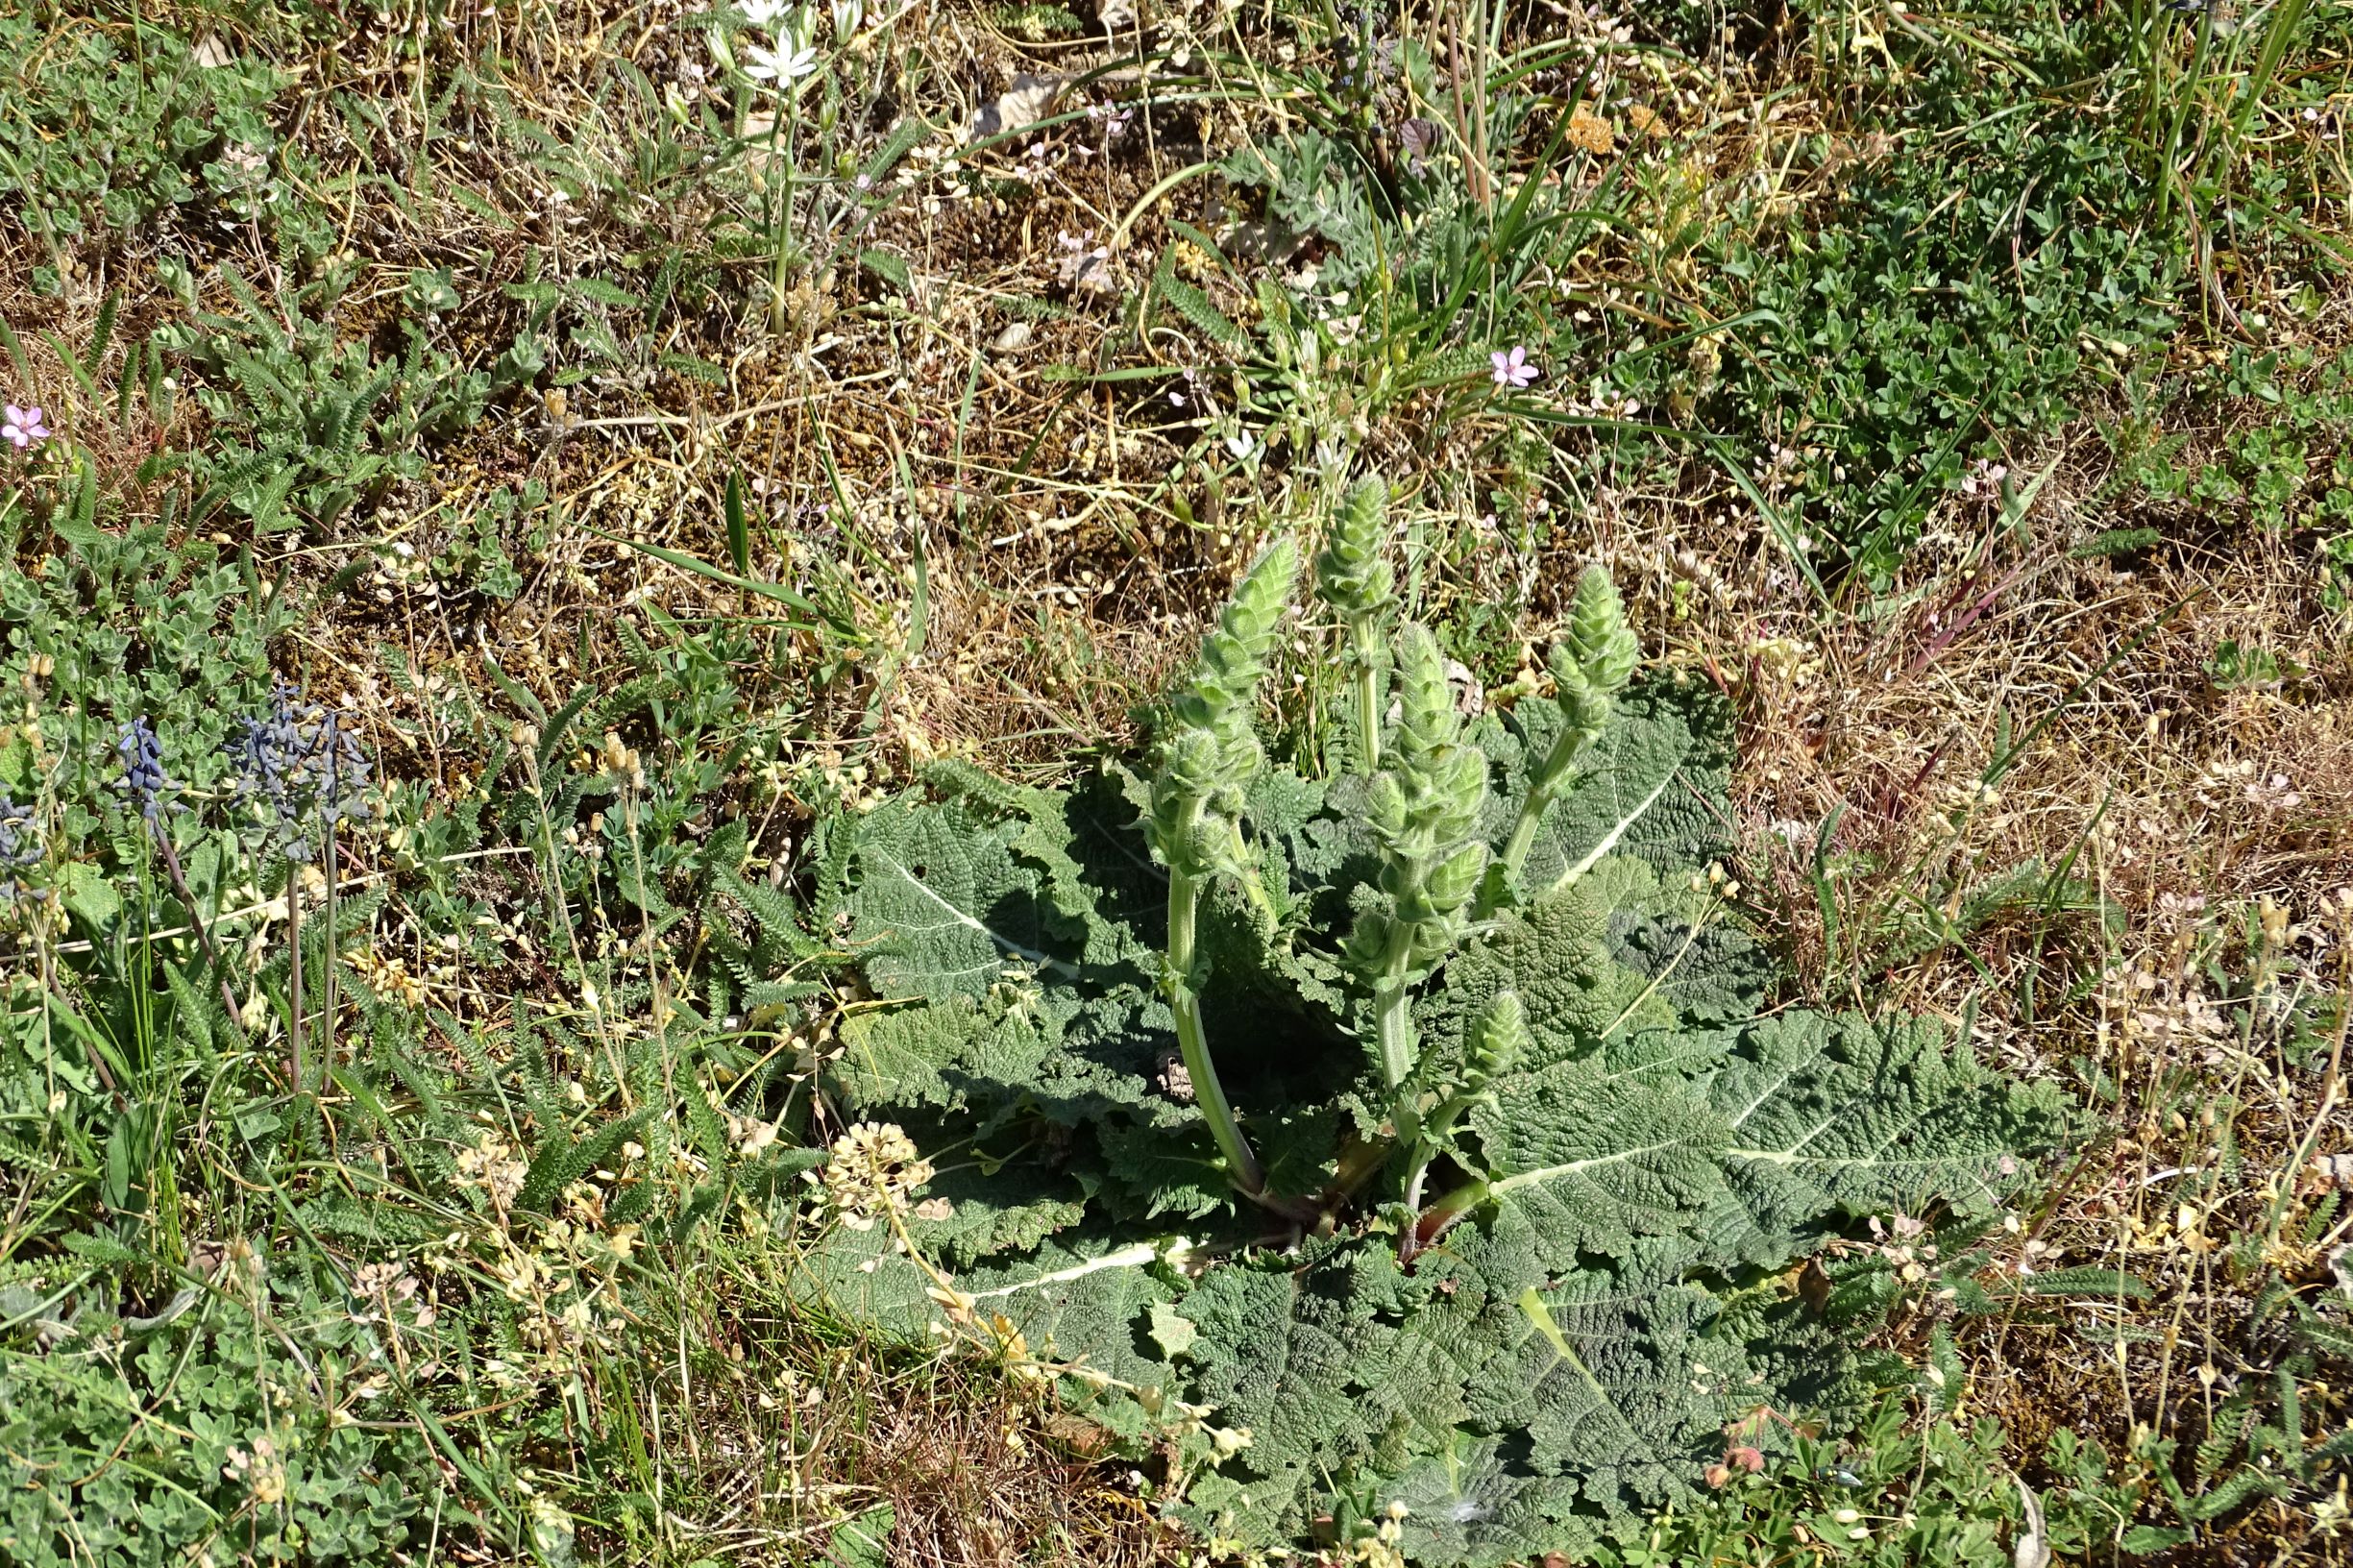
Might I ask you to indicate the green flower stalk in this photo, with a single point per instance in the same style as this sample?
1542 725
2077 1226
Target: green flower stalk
1497 1038
1424 810
1591 663
1353 576
1207 763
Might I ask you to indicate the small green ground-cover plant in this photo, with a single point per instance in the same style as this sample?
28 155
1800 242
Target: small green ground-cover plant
1417 1139
113 129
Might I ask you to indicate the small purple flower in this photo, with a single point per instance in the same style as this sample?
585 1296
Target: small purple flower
20 848
143 781
1512 369
299 767
24 428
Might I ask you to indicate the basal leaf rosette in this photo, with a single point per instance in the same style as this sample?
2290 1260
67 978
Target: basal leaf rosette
1549 1323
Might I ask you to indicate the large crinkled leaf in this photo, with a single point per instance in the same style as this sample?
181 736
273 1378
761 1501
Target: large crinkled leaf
943 908
1163 1168
1613 1394
1469 1504
994 1209
1594 1158
1079 1303
1097 1059
1827 1115
857 1276
1556 956
1099 877
1086 1304
1446 1343
1681 939
1652 785
909 1056
1584 1396
1068 1058
1280 1352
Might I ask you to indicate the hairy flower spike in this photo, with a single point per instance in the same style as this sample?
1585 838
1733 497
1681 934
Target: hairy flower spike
1424 809
1427 720
1591 663
1194 821
1498 1040
1353 576
1210 760
1597 637
1236 652
1444 780
1353 573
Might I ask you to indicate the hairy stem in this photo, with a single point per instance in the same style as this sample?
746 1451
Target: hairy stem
1368 709
1434 1222
1243 1165
1394 1003
1440 1122
1542 790
294 983
1396 1017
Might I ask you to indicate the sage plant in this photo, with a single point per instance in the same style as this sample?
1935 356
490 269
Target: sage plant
1591 663
1206 765
1353 576
1423 810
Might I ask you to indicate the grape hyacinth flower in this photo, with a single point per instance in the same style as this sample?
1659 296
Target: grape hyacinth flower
24 428
20 848
301 769
143 781
338 771
302 773
1513 370
146 785
268 754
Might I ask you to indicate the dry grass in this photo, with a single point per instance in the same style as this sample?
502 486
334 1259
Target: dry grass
790 1440
2187 814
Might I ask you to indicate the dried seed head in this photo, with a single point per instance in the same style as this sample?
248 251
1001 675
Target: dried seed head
871 1172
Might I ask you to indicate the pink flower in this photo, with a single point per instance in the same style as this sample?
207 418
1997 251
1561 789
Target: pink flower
24 428
1512 369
